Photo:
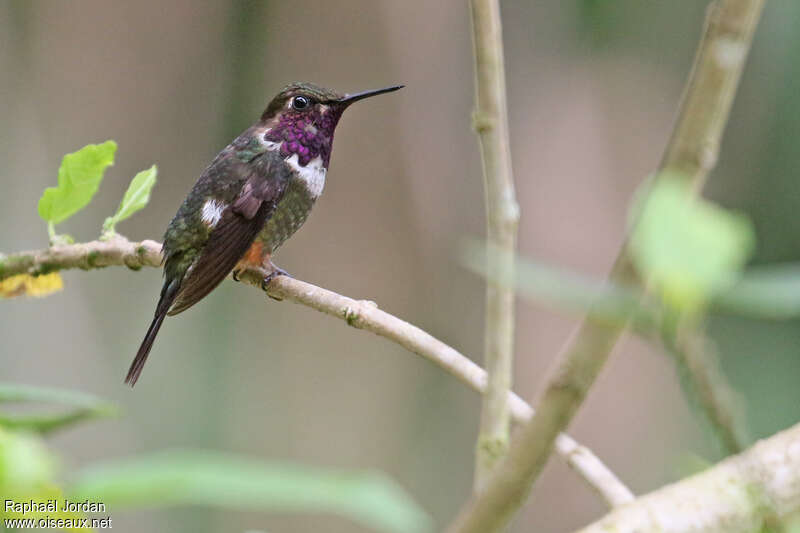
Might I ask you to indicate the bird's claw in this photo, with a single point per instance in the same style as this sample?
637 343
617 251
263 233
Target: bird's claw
269 277
236 275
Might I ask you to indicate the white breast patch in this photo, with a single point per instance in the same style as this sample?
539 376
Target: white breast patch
212 212
313 174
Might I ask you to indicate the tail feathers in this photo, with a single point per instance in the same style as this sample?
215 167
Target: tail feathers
168 294
141 356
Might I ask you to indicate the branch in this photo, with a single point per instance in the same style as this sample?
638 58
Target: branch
360 314
706 103
699 366
743 493
692 149
502 216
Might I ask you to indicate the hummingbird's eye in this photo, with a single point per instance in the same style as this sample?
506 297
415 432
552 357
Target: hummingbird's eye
300 102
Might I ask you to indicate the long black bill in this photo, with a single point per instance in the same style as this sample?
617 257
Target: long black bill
350 98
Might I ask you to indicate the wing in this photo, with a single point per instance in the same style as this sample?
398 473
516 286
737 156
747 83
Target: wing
235 230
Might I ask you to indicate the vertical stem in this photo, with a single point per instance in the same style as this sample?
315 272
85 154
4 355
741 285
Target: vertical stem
693 150
490 121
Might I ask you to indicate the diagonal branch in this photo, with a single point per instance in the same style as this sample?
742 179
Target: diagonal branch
692 150
706 384
360 314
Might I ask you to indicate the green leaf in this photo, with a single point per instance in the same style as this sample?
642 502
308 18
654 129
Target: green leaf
25 463
687 247
48 422
570 291
79 177
769 291
136 197
83 407
26 393
213 479
27 472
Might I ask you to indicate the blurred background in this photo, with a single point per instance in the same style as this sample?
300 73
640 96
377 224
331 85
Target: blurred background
593 86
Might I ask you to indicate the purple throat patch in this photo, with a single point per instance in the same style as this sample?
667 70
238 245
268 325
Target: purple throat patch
309 134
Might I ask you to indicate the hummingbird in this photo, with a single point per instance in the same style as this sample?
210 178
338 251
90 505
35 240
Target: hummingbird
253 196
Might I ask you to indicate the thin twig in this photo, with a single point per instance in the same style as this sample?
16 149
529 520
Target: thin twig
742 494
502 215
361 314
698 363
712 83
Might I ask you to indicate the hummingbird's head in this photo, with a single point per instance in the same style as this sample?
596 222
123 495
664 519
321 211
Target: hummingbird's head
303 117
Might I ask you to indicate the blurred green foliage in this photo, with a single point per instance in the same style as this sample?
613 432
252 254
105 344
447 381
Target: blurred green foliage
29 472
80 407
687 247
219 480
571 291
692 254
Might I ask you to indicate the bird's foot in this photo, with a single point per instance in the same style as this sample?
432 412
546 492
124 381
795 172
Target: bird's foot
236 275
274 273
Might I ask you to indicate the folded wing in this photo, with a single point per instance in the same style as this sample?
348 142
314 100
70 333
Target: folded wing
234 233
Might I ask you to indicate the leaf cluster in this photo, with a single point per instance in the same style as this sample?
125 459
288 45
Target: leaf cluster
79 178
